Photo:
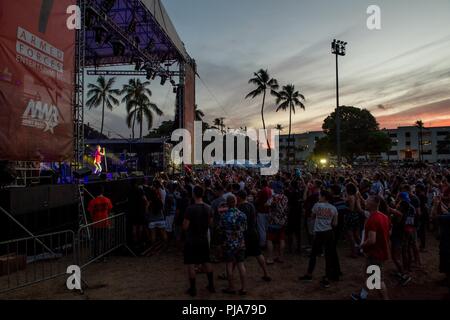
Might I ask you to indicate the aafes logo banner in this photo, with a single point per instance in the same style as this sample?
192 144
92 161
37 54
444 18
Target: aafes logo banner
41 115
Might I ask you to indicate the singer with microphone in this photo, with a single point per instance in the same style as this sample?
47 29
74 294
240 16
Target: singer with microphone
99 153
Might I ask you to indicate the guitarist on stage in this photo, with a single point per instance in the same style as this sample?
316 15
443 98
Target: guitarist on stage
99 153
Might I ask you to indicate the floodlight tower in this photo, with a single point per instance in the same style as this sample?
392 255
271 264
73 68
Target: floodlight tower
338 49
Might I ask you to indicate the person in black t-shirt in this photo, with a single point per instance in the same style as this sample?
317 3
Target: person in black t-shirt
136 211
424 218
251 234
197 220
295 213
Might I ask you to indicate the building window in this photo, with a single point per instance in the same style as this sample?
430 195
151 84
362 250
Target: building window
408 134
392 153
427 152
443 133
408 143
392 135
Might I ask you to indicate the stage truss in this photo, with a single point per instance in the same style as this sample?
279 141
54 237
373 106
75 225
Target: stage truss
137 33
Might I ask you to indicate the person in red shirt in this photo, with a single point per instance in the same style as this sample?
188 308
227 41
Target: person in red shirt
100 210
262 207
376 242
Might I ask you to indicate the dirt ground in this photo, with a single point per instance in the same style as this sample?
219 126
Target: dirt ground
162 277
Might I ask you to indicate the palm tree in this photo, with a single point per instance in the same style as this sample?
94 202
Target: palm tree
132 92
263 82
142 109
220 124
279 127
419 124
102 94
288 98
139 107
199 114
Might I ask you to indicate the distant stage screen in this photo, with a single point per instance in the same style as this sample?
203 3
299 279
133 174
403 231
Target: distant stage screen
36 80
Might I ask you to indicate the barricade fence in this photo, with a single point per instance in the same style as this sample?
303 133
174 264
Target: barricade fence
27 261
97 240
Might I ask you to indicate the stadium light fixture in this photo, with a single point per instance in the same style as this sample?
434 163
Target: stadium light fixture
338 48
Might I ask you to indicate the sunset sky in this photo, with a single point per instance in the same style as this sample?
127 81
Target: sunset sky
401 73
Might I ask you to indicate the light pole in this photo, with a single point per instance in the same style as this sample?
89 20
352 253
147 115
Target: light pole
338 49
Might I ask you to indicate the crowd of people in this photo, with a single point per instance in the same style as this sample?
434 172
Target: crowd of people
229 215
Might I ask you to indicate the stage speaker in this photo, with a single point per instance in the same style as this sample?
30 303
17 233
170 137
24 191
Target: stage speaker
94 178
7 173
115 176
137 174
48 177
82 173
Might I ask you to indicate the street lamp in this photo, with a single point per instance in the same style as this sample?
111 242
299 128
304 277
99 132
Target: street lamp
338 49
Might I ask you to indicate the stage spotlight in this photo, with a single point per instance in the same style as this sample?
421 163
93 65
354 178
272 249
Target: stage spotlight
107 5
150 46
118 48
150 73
163 79
138 65
90 17
100 33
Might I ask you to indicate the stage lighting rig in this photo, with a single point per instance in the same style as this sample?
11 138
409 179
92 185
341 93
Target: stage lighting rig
163 79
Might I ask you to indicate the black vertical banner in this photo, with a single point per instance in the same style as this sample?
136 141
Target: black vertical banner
46 8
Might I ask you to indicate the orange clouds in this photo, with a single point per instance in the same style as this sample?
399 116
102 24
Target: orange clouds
433 115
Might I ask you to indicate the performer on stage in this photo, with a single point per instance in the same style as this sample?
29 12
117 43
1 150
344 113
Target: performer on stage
99 153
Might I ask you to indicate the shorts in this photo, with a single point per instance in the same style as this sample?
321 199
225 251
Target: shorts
352 221
169 223
161 224
252 248
235 256
196 253
276 233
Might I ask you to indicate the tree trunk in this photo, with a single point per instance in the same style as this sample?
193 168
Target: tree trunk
421 145
289 136
263 121
103 116
134 123
142 121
